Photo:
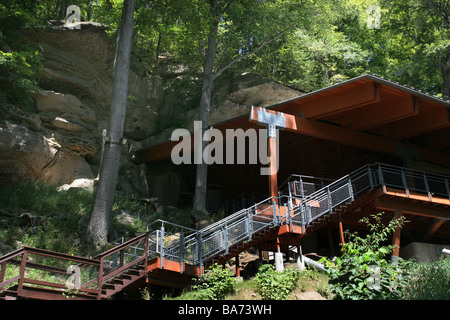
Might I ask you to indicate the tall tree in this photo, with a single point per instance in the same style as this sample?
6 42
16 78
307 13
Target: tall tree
231 31
411 45
99 228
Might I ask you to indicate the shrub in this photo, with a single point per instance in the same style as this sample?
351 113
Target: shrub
428 281
364 270
19 72
274 285
215 284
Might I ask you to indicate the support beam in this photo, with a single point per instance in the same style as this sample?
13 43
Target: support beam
437 223
273 176
385 112
411 206
347 99
341 232
358 139
396 237
419 124
272 121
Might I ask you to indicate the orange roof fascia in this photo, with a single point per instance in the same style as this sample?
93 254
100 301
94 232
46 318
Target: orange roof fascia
357 139
347 96
334 101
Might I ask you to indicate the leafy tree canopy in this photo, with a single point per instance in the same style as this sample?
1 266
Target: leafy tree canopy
303 43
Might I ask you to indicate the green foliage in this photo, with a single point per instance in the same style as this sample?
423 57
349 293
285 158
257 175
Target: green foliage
306 44
428 281
312 279
19 72
364 270
274 285
44 199
61 216
215 284
58 216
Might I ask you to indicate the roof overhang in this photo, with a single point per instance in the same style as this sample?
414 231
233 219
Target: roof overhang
368 112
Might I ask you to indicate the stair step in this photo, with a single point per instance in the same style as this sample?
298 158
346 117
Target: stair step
8 295
134 272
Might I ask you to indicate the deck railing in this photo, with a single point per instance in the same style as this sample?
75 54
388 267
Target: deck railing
67 274
197 246
303 200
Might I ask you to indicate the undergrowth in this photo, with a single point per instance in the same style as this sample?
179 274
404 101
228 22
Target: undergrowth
57 220
219 283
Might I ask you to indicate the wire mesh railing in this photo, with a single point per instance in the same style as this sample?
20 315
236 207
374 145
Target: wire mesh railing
302 200
195 247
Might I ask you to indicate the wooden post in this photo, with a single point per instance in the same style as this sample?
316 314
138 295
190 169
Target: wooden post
100 279
273 177
238 269
23 265
341 232
396 237
272 120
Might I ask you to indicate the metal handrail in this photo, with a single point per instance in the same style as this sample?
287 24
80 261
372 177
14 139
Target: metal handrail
78 269
22 277
218 237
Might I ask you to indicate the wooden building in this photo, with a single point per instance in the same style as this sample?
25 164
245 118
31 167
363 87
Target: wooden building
337 130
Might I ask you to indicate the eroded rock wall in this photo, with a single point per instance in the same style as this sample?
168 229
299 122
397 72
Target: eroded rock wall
61 142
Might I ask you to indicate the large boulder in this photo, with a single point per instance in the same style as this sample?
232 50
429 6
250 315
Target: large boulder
23 152
79 63
65 111
234 95
64 168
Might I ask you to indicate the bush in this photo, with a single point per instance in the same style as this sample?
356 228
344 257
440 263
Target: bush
215 284
274 285
428 281
364 270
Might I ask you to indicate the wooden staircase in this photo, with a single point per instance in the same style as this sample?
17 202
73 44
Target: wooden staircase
128 278
32 273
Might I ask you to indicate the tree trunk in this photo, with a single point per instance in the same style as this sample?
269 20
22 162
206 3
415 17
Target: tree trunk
100 228
446 81
199 204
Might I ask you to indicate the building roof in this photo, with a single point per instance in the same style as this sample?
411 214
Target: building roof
367 111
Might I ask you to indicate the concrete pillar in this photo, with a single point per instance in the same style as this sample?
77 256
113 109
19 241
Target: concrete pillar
279 265
300 260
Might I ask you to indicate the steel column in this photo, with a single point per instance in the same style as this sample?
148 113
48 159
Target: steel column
396 237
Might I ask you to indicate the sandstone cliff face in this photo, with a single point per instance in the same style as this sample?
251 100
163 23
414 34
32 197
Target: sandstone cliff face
62 141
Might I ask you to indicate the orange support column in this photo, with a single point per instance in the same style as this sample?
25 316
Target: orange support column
273 177
238 269
272 120
341 233
396 237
